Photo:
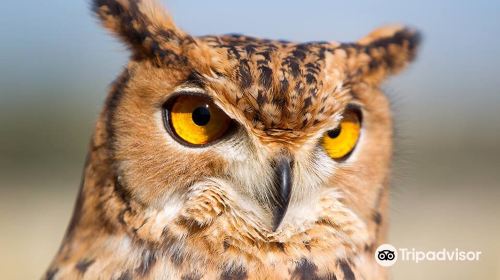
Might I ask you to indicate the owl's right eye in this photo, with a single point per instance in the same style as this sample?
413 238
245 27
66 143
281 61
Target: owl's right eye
195 120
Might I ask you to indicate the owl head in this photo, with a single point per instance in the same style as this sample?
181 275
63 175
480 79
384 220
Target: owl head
248 141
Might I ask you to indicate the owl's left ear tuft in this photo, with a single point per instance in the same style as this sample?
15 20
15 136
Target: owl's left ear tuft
145 27
383 52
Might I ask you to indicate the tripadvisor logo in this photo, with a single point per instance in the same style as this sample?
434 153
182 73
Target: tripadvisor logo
387 255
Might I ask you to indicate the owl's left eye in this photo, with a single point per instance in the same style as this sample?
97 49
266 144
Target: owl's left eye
195 120
341 141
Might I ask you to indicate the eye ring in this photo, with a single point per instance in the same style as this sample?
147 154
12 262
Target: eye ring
193 120
339 143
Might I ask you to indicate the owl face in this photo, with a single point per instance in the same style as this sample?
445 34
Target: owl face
280 136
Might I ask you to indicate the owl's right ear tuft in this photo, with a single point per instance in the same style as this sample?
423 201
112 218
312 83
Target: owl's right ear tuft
145 27
383 52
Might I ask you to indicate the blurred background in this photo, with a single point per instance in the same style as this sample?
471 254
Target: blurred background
56 64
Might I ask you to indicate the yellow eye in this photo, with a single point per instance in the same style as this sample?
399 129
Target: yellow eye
339 142
196 120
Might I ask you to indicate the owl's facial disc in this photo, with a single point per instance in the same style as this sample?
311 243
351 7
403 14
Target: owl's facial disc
192 119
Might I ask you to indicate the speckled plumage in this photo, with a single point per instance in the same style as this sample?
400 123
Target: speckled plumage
151 208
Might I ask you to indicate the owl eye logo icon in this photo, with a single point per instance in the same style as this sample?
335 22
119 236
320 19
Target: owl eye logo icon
386 255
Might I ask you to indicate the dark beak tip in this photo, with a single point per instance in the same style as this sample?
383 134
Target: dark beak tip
283 186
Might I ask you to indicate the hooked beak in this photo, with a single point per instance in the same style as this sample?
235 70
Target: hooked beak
283 185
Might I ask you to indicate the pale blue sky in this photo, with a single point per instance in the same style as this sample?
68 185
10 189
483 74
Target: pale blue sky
55 50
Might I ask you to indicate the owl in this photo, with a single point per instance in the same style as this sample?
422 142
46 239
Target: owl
233 157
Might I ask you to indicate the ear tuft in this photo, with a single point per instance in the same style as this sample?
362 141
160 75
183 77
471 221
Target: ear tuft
384 51
398 42
145 27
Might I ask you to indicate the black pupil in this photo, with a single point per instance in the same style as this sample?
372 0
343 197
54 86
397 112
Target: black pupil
201 115
334 133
